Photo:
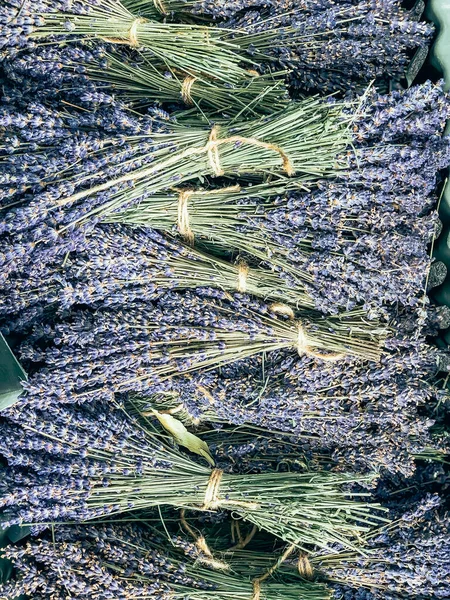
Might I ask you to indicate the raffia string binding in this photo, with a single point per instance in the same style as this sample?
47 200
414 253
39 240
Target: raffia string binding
242 541
243 271
258 580
212 149
206 556
132 34
212 501
304 567
186 89
183 220
303 344
160 7
183 223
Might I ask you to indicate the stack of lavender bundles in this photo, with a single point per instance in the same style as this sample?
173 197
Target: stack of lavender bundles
369 416
320 204
326 46
360 237
409 556
112 561
64 465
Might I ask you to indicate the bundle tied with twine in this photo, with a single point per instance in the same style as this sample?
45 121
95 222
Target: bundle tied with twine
211 149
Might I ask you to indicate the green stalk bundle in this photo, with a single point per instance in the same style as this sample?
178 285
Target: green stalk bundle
143 81
191 49
310 509
304 139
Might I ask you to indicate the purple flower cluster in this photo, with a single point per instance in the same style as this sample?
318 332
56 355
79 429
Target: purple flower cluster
101 562
58 459
327 45
412 558
363 239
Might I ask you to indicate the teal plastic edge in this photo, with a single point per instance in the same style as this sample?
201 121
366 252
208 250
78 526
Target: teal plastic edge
11 376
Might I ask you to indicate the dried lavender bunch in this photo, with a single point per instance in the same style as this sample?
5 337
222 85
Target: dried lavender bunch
114 265
142 81
304 138
327 46
343 245
143 343
118 561
407 558
372 417
110 266
197 52
64 465
410 558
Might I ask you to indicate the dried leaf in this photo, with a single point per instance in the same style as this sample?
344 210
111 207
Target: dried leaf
183 437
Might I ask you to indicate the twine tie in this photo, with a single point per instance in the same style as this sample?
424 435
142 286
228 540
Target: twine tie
212 501
304 567
183 219
202 546
186 89
303 344
243 271
212 150
160 7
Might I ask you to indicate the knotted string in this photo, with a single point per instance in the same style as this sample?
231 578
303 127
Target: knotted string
160 7
183 220
257 582
186 88
202 546
212 149
304 567
212 501
303 343
132 34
